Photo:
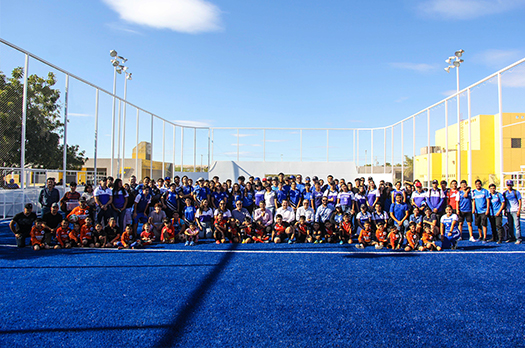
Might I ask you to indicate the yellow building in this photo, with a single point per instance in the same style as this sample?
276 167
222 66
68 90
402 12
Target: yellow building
484 146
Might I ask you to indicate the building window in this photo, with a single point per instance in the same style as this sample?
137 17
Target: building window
515 143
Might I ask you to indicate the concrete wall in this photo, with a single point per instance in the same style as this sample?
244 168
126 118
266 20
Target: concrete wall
232 170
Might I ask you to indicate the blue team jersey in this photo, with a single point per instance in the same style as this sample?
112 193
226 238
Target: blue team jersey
189 213
281 195
465 203
496 201
360 199
201 193
186 190
294 197
247 200
172 199
447 221
308 196
345 198
416 219
317 196
371 196
480 198
301 188
399 210
218 197
512 199
259 197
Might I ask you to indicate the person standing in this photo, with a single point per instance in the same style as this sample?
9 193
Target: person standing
104 198
497 206
513 209
481 205
48 196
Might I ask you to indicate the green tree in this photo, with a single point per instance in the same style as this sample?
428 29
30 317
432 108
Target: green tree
44 131
409 168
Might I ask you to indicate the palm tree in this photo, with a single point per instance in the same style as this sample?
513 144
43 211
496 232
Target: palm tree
408 173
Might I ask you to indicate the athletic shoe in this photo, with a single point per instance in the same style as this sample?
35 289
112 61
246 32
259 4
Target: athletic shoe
472 239
359 246
510 240
192 243
187 243
316 242
490 240
499 242
453 246
217 242
518 241
341 242
290 241
484 241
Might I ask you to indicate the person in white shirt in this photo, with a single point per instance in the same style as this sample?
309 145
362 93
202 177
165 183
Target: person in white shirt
270 199
286 212
305 211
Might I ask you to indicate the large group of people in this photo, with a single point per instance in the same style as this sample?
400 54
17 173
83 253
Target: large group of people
280 209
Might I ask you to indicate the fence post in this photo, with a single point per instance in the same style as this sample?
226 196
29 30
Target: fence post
137 149
428 150
403 152
96 140
194 150
151 150
327 144
500 110
469 138
372 151
446 140
64 161
24 121
163 147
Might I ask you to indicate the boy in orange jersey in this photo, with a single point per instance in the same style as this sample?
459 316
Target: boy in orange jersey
329 233
62 235
381 235
167 234
86 234
365 236
82 212
428 240
345 230
301 230
37 235
147 236
126 239
233 231
412 237
74 235
395 238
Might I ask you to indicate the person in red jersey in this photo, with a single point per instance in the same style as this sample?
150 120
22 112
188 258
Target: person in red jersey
86 234
38 234
279 230
381 235
395 238
412 238
147 236
62 235
365 236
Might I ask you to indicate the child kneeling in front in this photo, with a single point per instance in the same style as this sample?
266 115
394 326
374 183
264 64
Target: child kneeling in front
412 237
428 240
126 240
395 238
192 234
365 236
37 235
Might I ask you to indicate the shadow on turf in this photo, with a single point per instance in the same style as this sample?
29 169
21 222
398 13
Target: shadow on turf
173 334
366 255
108 266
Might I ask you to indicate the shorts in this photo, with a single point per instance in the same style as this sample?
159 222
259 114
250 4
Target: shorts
141 217
464 215
481 220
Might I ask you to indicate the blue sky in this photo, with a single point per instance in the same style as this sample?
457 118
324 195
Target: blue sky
273 63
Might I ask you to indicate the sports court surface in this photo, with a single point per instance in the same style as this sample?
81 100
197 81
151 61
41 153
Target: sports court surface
264 295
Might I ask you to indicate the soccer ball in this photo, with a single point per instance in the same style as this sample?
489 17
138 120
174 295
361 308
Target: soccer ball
73 218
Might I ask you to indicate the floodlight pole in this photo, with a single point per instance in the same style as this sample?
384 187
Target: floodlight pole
113 120
459 127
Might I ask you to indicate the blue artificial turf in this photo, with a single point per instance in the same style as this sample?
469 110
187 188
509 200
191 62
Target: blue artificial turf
300 295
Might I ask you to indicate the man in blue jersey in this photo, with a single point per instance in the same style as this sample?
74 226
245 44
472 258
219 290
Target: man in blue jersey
300 184
465 209
294 196
201 192
497 204
103 197
171 200
513 210
481 205
399 213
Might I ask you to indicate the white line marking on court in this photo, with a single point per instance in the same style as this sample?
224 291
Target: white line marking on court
457 252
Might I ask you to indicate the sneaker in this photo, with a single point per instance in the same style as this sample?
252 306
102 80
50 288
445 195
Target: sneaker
512 240
472 239
217 242
290 241
192 243
518 242
316 242
187 243
341 242
454 246
359 246
484 241
499 241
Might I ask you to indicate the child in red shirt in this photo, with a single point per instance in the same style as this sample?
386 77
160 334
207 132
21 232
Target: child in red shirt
37 235
279 230
167 234
381 235
147 236
412 238
345 230
62 234
365 236
301 230
395 238
74 235
428 240
86 234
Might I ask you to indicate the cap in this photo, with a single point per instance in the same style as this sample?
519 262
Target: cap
54 205
263 179
200 179
275 178
167 178
315 178
292 177
257 178
435 182
29 206
510 183
418 184
307 178
82 199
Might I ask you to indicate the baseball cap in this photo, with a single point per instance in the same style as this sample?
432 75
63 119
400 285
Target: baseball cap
257 178
292 176
54 205
200 179
167 178
435 182
418 184
307 178
263 179
29 206
510 183
315 178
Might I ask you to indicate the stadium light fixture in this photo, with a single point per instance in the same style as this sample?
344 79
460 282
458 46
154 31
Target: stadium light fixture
455 62
113 53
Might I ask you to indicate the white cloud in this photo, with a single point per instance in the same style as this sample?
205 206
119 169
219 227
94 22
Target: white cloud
498 58
187 16
418 67
120 27
514 77
466 9
188 123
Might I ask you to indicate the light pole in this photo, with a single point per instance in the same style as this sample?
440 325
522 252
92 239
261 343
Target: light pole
454 62
115 61
127 77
